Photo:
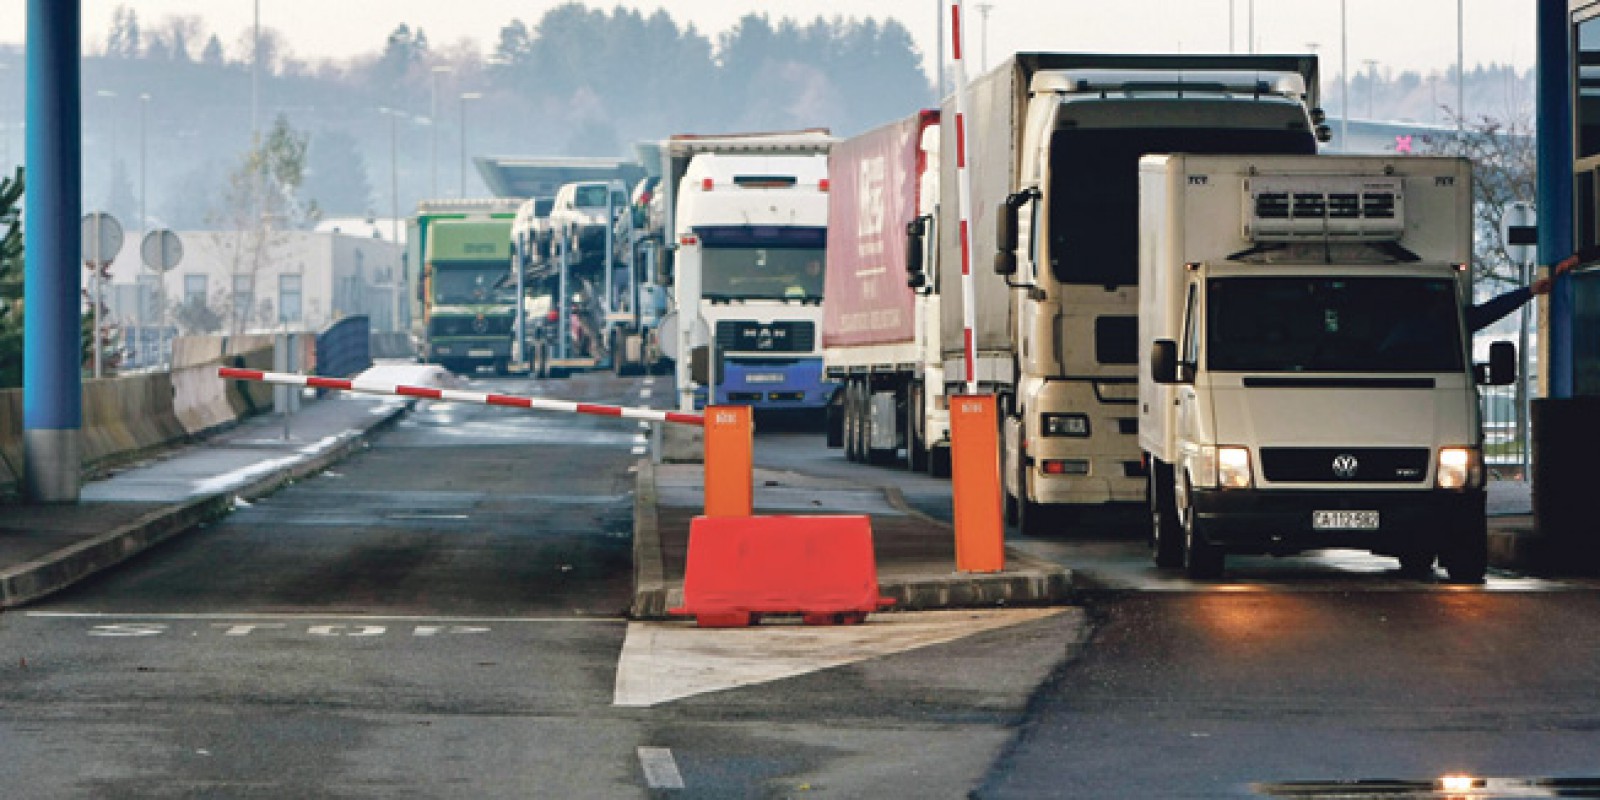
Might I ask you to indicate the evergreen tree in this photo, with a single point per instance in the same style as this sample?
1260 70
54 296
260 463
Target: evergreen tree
211 56
11 271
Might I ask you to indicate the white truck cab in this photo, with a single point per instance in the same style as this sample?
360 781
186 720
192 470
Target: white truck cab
1305 376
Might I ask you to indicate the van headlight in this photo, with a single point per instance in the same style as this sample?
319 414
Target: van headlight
1233 468
1459 468
1224 467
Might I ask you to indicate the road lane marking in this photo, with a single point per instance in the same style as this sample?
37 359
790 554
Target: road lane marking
666 661
357 618
660 770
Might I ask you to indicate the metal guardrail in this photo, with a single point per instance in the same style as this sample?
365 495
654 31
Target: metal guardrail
345 347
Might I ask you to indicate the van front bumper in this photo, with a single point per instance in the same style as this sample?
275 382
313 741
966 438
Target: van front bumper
1280 521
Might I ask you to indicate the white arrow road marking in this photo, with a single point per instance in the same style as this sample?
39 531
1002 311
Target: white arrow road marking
660 770
665 661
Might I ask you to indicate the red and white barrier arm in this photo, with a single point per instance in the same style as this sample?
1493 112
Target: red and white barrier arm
458 396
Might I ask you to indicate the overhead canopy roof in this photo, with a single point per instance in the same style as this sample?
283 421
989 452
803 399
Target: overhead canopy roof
516 176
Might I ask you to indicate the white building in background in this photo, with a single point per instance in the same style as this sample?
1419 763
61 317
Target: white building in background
299 281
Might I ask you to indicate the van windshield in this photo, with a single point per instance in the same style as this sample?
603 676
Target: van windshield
1322 324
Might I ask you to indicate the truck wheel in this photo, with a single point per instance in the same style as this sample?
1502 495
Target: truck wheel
1202 560
939 461
916 447
1417 564
833 420
852 423
502 367
1031 517
1466 556
1166 537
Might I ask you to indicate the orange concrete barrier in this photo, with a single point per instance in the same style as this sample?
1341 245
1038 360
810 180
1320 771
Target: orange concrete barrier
822 568
729 462
975 482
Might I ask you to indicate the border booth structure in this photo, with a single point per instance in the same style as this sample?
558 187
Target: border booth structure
1566 421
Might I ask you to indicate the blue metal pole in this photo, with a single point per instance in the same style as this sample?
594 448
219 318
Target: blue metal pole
1555 155
52 388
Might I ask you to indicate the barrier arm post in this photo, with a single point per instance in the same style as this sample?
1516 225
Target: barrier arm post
974 427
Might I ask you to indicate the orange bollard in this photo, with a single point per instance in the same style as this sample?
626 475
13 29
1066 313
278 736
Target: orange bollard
730 476
975 482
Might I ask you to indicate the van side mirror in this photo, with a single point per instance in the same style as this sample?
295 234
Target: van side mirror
1164 361
1502 364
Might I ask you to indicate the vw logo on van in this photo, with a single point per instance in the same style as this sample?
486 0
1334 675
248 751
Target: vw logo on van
1345 466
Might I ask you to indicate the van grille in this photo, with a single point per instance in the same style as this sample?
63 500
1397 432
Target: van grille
1344 465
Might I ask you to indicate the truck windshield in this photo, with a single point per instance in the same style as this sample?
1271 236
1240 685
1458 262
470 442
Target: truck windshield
595 197
1321 324
461 284
1094 190
761 273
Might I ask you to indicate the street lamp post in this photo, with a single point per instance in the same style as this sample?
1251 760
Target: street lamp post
394 202
465 96
144 106
433 122
111 138
1372 81
1344 78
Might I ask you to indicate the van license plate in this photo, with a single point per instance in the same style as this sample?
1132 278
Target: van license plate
480 353
1344 520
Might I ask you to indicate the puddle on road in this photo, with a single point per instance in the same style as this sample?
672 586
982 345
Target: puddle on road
1451 787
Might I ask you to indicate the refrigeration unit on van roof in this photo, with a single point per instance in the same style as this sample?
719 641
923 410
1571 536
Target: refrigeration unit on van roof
1324 208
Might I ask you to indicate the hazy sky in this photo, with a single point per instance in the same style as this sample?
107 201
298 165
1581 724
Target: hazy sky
1398 34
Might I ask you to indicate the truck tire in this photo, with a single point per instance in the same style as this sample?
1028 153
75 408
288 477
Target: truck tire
1166 536
916 446
1202 560
1417 563
1466 553
852 422
833 420
939 461
1032 518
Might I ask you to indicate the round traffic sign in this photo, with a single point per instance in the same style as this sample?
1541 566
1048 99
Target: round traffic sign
102 238
161 250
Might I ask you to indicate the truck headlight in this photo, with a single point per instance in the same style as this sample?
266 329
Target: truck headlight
1076 425
1459 468
1233 468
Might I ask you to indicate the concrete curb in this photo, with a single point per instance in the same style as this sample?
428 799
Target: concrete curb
649 580
65 567
56 571
1027 580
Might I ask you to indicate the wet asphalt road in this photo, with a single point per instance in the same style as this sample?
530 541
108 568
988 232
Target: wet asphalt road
439 616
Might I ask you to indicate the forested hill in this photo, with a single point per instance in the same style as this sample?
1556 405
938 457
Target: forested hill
574 82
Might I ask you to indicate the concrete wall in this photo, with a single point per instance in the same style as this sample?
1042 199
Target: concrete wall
129 415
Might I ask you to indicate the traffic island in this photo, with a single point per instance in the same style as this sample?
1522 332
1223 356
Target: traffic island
915 554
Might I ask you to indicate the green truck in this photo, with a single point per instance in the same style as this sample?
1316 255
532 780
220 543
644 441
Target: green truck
468 299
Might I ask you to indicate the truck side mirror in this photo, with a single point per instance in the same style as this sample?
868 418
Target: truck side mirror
1005 235
915 230
1164 361
1502 364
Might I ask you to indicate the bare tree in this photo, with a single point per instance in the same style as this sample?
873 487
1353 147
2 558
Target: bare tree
1503 172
